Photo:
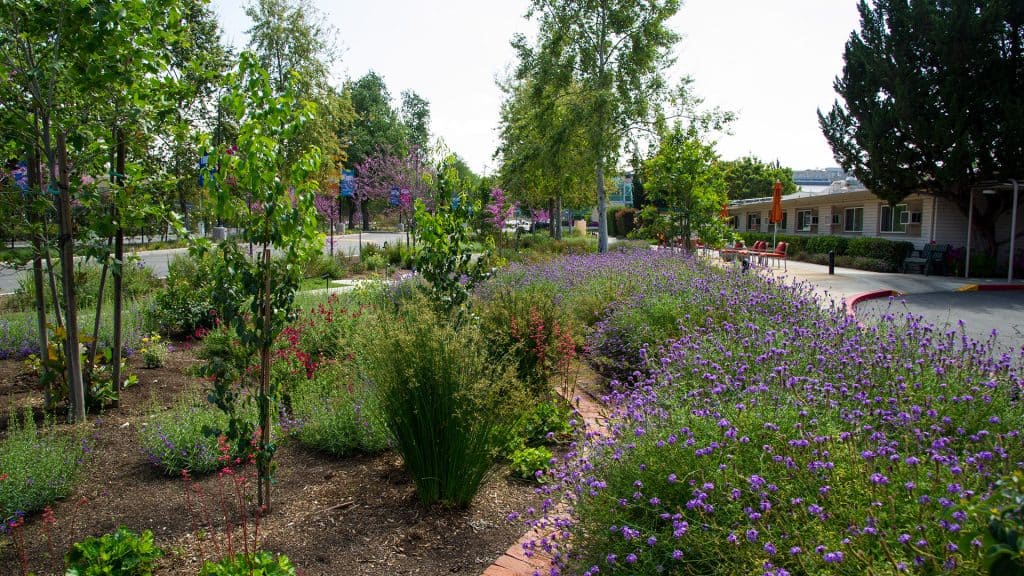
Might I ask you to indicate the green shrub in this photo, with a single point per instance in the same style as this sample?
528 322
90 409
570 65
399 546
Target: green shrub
528 325
890 251
138 282
185 304
375 262
625 221
223 355
447 404
398 255
36 466
260 563
530 463
124 553
825 244
182 438
613 230
337 414
325 266
546 422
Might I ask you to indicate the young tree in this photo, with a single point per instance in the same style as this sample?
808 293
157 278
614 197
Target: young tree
685 174
68 64
748 177
255 296
415 115
608 55
933 101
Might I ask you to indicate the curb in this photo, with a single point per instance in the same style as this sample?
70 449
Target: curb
851 304
991 288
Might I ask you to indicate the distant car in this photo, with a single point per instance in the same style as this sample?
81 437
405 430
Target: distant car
517 224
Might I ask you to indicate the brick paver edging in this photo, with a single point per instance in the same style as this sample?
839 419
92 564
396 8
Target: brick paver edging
516 561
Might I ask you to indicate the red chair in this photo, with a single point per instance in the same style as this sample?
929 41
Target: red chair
779 254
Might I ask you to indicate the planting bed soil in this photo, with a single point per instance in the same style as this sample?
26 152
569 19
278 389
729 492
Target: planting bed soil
350 516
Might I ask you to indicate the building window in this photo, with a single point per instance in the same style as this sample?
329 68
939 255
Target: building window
784 225
891 219
804 220
753 221
854 220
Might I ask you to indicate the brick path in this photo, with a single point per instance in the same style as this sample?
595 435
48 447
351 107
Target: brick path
515 561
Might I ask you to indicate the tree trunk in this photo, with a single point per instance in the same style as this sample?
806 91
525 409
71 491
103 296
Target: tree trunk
35 183
364 212
602 205
76 390
263 487
558 217
115 358
552 219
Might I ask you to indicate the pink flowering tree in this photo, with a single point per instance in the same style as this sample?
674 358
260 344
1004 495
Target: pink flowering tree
327 206
394 182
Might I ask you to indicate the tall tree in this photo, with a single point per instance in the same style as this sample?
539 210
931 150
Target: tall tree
292 42
543 151
749 177
685 174
376 129
72 70
609 55
933 101
415 115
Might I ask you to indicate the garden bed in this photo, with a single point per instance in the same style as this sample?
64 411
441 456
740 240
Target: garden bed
357 515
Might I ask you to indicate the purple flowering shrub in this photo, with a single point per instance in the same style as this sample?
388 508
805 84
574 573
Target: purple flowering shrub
791 441
179 439
18 337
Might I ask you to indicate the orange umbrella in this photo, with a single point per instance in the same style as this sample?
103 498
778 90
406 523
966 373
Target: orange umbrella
775 216
725 211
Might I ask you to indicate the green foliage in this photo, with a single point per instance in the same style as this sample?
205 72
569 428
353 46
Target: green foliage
613 228
652 224
255 296
123 553
914 113
446 402
546 422
36 466
442 254
185 304
260 563
625 221
891 251
139 282
685 176
530 463
749 177
183 437
999 523
826 244
336 413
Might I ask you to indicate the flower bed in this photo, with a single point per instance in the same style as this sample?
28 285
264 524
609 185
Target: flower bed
779 439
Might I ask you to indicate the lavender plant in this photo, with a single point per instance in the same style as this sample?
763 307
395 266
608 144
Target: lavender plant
779 439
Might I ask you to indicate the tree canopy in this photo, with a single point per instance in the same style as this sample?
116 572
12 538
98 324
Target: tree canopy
607 56
749 177
933 101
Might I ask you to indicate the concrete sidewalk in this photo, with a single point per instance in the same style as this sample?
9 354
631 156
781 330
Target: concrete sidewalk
940 300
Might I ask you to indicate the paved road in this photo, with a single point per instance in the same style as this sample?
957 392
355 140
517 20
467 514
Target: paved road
933 297
158 260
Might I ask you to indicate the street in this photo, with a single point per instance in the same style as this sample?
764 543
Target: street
158 260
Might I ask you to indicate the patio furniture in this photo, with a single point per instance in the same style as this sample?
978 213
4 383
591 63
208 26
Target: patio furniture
925 259
778 255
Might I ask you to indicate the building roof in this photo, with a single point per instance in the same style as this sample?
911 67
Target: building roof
838 188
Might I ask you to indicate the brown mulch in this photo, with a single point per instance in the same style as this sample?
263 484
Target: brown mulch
354 516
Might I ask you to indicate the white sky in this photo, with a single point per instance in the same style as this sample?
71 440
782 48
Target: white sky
770 61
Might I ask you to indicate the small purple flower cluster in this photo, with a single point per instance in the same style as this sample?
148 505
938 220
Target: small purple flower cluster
17 339
773 437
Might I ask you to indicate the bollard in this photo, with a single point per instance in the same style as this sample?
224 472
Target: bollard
831 262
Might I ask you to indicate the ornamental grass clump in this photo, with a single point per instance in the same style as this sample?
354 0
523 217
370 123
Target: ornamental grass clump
446 403
793 442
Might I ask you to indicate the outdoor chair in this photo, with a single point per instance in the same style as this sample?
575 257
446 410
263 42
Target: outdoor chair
778 255
919 259
937 261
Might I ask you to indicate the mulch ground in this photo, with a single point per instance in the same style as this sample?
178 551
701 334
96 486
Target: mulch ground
330 516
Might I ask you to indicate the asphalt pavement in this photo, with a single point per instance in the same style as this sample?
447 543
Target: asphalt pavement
973 306
158 260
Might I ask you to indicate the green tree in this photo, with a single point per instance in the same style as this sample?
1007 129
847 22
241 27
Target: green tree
608 55
291 42
748 177
685 174
543 150
933 101
255 296
74 70
415 115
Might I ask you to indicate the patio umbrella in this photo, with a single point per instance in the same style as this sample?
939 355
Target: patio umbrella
775 216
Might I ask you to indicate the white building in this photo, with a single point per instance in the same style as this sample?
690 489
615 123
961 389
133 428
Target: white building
851 210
